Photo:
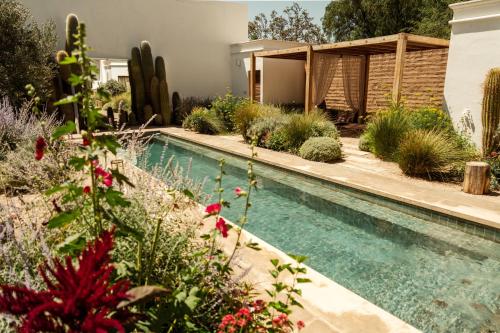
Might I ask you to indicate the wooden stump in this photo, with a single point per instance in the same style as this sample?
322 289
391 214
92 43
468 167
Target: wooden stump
477 178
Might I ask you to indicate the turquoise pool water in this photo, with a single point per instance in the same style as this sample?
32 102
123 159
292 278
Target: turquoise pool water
434 277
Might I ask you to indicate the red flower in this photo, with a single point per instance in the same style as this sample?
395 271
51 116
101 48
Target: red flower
244 313
258 305
108 180
300 325
86 141
222 227
40 146
86 189
280 321
76 300
213 209
105 177
238 191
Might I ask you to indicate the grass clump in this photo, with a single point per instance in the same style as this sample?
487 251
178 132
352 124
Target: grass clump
428 153
247 113
321 149
262 128
203 121
386 131
301 127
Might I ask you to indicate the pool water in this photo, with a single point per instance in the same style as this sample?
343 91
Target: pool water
436 278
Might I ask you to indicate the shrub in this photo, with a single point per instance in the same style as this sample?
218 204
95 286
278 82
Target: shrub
325 128
277 140
26 53
114 87
429 118
321 149
247 113
365 143
114 103
187 105
386 131
262 127
428 153
225 108
203 121
301 127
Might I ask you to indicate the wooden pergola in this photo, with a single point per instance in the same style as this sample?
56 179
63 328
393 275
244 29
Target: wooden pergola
398 44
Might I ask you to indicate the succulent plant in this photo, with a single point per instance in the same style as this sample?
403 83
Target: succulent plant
491 110
138 79
166 113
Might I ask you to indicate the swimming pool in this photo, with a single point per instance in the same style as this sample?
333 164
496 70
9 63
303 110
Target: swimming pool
436 278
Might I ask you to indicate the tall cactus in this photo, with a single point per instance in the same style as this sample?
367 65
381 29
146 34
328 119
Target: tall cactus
176 106
491 109
132 88
161 73
155 99
71 31
148 112
166 113
137 77
148 70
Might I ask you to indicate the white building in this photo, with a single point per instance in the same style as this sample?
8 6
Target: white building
474 50
194 37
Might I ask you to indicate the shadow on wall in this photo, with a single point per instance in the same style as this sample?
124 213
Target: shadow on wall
465 124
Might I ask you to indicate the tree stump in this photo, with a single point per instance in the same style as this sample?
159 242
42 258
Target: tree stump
477 178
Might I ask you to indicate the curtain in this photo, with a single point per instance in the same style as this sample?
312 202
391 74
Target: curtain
324 67
353 80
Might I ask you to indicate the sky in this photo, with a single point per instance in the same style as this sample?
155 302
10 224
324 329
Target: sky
315 8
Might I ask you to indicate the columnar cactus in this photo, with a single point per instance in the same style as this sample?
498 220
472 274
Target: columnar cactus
138 79
71 31
166 113
148 112
176 105
491 109
148 70
148 84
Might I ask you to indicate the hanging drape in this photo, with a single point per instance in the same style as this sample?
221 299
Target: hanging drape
324 67
353 81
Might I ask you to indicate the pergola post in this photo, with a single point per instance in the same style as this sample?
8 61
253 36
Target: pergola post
399 67
309 70
252 77
365 76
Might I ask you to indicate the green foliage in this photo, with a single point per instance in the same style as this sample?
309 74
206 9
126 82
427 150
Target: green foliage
490 115
225 108
348 20
203 121
245 114
277 140
114 87
321 149
386 130
301 127
26 54
262 128
295 24
365 142
430 118
184 106
428 153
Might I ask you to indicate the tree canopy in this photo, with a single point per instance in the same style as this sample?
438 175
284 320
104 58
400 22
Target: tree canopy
355 19
294 24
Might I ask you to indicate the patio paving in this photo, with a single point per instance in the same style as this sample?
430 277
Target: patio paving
361 170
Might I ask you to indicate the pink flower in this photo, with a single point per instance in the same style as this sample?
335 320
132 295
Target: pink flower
86 189
213 209
280 321
244 313
238 191
40 146
300 325
222 227
108 180
106 177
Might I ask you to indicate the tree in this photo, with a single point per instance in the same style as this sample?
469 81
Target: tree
294 24
26 52
355 19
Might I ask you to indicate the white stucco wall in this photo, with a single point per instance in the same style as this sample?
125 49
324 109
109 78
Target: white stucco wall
474 49
282 81
194 37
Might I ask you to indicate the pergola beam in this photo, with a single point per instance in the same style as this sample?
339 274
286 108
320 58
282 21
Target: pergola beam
399 68
308 103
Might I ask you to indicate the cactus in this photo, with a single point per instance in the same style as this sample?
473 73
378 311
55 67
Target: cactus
176 105
161 74
165 112
491 109
148 70
71 31
148 112
131 81
155 99
137 77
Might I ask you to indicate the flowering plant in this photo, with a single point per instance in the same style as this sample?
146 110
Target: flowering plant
77 299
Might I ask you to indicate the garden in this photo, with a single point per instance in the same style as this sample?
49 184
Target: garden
89 245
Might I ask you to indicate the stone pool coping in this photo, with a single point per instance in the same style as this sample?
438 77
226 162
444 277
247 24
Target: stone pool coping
433 197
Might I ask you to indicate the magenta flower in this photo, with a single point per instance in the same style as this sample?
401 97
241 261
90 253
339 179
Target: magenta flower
213 209
222 227
105 177
79 299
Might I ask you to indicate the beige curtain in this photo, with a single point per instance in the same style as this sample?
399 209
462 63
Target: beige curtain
324 67
353 80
